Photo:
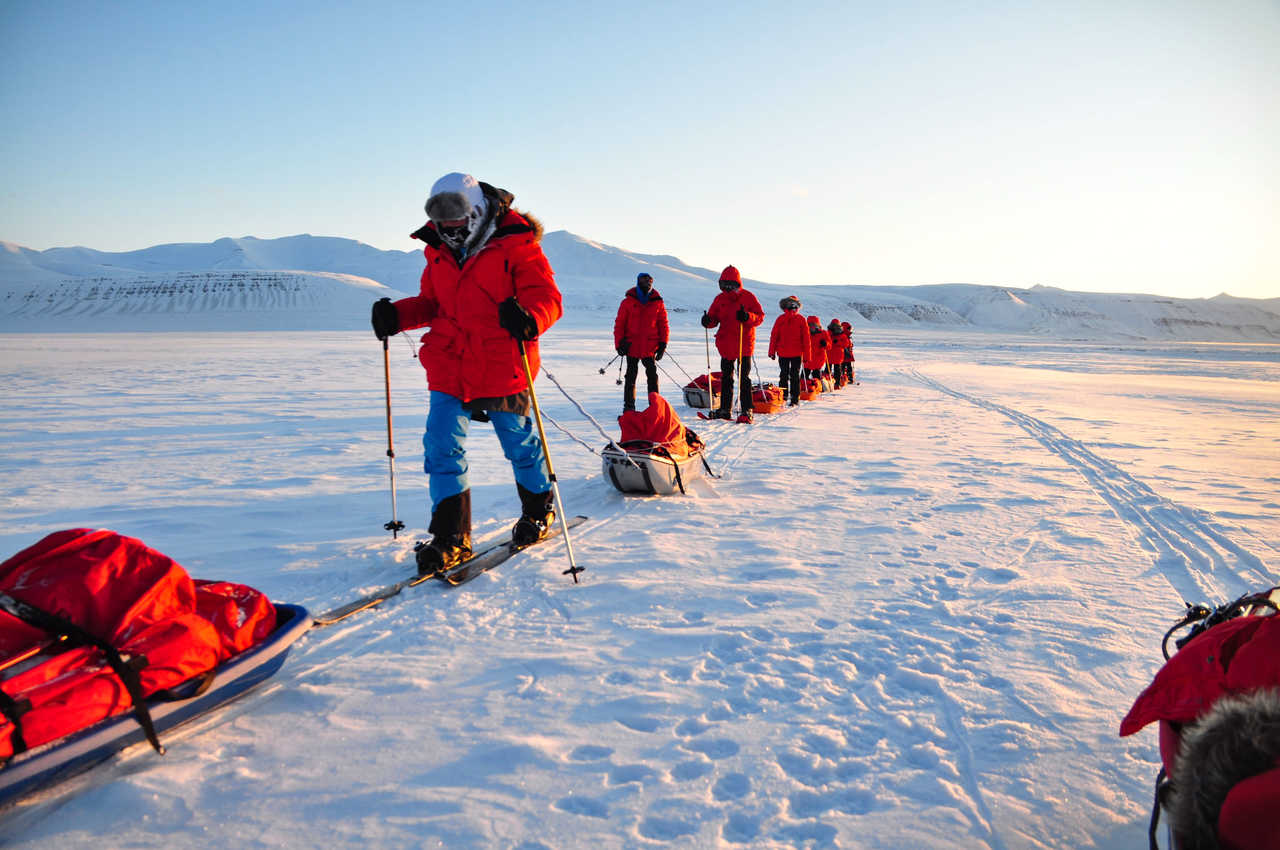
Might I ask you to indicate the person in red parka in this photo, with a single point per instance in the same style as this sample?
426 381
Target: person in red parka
819 342
789 344
737 313
486 290
640 334
848 351
835 353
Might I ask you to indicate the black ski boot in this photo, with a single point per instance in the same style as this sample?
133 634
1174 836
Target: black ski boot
536 517
450 536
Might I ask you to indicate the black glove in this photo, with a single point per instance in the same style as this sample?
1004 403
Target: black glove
623 348
662 349
773 357
386 321
742 315
707 321
822 343
516 320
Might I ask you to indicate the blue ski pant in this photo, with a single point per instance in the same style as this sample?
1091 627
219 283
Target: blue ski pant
444 445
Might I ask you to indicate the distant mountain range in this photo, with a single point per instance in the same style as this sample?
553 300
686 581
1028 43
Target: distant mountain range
311 282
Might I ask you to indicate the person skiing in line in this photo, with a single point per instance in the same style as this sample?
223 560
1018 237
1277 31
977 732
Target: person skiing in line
737 313
819 341
640 334
848 351
835 353
789 344
486 287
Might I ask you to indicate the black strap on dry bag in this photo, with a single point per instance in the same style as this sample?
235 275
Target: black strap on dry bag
126 667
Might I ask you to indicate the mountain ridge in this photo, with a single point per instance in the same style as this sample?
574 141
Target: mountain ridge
311 282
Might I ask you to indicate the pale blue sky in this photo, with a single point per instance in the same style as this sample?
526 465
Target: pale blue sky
1118 145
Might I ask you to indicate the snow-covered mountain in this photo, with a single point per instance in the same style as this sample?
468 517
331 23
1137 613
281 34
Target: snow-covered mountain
309 282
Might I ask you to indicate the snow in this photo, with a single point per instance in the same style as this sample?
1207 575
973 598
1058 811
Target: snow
909 614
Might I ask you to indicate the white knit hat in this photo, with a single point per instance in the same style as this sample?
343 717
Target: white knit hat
455 196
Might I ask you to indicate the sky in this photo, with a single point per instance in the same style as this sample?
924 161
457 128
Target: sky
1109 146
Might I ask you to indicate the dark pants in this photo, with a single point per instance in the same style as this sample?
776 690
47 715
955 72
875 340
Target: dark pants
629 380
744 383
789 378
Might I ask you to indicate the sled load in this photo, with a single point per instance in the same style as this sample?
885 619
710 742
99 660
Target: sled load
105 642
701 392
767 398
1217 700
810 388
657 454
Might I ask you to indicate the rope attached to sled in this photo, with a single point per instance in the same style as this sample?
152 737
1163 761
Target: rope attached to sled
588 416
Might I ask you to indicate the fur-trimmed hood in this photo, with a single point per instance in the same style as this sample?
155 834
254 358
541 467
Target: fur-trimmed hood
507 220
1236 745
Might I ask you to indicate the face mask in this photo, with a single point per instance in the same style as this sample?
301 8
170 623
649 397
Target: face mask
455 237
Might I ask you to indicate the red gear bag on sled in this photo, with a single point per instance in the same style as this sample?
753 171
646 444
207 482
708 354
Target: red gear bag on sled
657 454
766 398
92 621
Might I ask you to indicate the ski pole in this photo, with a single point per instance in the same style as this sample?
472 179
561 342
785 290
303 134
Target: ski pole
610 363
394 525
711 395
742 379
574 569
619 381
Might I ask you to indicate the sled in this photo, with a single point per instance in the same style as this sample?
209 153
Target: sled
57 760
810 388
767 398
698 394
641 466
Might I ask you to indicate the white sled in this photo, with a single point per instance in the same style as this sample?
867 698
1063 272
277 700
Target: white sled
639 466
695 396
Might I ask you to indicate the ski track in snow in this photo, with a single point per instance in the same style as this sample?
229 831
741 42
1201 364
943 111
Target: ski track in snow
1199 558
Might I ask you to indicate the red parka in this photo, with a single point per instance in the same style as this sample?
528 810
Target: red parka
466 353
819 342
1236 657
835 352
724 312
642 325
790 336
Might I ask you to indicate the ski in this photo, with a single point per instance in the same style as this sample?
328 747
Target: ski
495 555
482 561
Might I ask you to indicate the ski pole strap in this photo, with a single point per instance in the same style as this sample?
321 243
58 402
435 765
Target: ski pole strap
126 667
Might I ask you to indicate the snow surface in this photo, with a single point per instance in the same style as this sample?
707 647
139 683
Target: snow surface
909 614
